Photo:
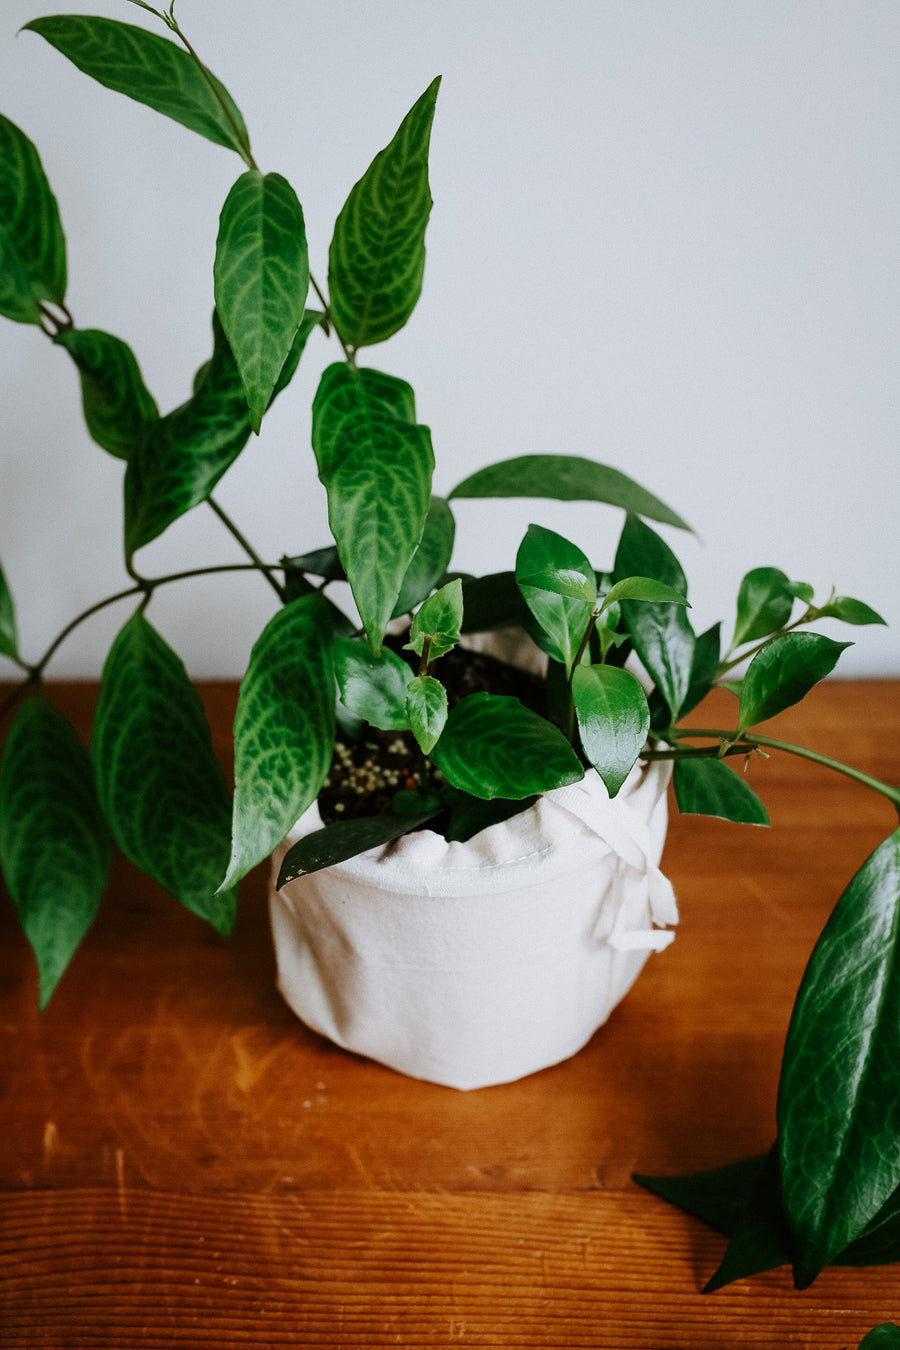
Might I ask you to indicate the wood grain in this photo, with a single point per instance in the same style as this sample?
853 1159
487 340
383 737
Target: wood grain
184 1164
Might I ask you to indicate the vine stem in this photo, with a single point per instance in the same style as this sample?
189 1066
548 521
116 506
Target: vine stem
142 587
248 549
753 740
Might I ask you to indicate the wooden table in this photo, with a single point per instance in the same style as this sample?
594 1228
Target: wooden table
185 1165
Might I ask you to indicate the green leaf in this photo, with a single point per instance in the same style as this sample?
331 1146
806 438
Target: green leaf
644 589
662 634
718 1196
613 720
471 815
54 844
283 730
377 254
782 673
708 787
426 708
9 642
346 839
760 1239
431 559
838 1106
261 276
376 464
182 457
372 687
438 622
848 610
884 1337
764 605
32 244
559 586
118 409
567 478
492 602
150 69
160 786
492 746
704 667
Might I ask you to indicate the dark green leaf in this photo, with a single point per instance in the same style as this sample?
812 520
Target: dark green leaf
32 244
283 730
718 1197
184 454
708 787
846 609
9 642
118 409
492 746
491 602
321 562
613 720
261 278
54 844
426 708
761 1239
764 605
438 622
558 584
566 478
150 69
376 464
838 1105
471 815
884 1337
431 559
783 673
346 839
372 687
160 786
704 668
377 254
662 634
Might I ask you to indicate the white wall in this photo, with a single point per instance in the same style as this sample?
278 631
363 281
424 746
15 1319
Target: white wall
665 234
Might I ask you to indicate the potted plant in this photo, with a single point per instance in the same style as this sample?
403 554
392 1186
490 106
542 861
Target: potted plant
376 743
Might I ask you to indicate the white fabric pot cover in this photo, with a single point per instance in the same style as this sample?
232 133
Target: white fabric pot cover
476 963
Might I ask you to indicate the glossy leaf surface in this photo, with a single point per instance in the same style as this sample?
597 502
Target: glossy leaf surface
708 787
377 254
645 589
376 465
118 408
149 68
848 610
9 641
283 730
566 478
431 559
160 786
558 584
346 839
838 1105
884 1337
182 457
764 605
261 277
662 634
493 746
32 245
372 687
613 720
783 672
426 708
54 843
438 622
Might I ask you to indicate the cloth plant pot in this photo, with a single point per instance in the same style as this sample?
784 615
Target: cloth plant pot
477 963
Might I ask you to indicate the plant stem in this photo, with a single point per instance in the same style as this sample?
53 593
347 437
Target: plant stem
144 587
248 548
726 665
753 740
